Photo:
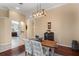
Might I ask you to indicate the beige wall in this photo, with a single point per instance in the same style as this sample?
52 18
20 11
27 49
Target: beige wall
4 12
64 20
76 28
64 24
5 26
13 15
30 28
4 31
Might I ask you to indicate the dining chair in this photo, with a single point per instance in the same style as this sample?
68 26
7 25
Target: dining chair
51 51
46 50
28 47
37 48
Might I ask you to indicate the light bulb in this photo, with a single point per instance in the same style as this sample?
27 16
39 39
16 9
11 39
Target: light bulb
17 8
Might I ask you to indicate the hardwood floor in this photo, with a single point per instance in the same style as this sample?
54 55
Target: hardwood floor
14 51
60 50
66 51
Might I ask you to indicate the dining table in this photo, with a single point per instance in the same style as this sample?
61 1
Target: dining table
50 44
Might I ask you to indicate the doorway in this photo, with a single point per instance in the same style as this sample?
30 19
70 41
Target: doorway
16 34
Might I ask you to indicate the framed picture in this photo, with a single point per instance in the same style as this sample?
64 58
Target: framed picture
49 25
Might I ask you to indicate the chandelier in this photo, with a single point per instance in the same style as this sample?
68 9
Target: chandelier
39 12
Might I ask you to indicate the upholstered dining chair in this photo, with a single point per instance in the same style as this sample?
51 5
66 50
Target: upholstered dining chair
37 48
28 47
46 50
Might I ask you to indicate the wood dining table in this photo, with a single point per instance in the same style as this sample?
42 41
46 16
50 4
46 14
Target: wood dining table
51 44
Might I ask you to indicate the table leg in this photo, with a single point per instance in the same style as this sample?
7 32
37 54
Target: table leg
51 52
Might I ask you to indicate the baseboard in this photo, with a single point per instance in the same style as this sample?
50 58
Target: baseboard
5 46
5 43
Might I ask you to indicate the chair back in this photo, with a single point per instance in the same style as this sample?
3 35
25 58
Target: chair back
37 48
28 46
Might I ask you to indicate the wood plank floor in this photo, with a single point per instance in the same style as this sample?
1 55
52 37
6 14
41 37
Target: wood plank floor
60 50
14 51
66 51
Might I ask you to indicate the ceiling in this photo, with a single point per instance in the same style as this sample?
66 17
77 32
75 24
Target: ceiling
28 8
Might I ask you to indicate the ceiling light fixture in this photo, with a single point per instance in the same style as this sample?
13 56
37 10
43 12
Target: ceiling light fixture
39 13
19 6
